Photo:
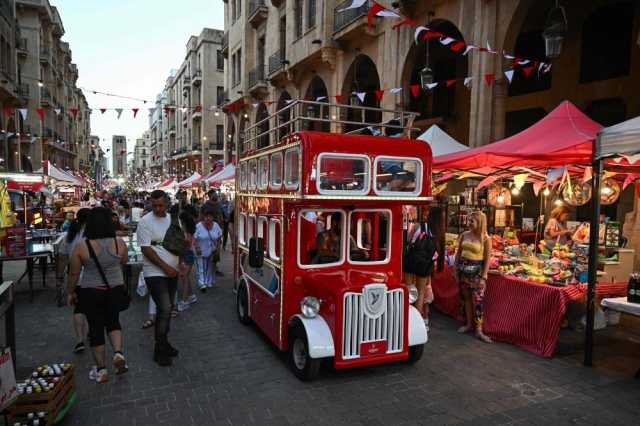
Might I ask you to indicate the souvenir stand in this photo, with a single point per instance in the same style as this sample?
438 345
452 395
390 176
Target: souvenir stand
528 292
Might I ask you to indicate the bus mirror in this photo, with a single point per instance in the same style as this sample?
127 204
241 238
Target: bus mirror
256 252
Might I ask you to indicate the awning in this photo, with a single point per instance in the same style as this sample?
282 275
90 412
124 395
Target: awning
23 181
623 139
167 184
61 175
564 136
189 182
227 173
440 141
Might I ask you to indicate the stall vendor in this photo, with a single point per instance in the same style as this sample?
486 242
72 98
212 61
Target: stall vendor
556 231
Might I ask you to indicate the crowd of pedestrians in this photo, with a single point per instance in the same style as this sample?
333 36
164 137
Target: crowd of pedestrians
180 242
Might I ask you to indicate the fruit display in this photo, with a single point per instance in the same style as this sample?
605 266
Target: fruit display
44 379
556 267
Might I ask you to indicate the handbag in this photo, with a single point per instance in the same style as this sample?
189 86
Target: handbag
174 241
215 255
421 253
122 299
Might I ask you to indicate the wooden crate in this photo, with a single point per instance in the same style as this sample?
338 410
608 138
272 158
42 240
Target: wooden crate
50 402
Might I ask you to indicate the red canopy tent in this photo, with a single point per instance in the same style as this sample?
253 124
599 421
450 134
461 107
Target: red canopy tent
564 136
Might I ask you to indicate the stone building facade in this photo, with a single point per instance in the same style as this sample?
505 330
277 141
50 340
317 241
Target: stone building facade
194 129
10 89
159 136
119 156
47 79
142 154
294 49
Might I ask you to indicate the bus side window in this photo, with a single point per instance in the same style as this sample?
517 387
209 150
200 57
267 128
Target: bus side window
242 229
251 227
276 170
274 239
253 174
292 168
243 176
263 173
262 231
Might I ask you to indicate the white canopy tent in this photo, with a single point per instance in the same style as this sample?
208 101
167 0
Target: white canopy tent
227 173
188 182
61 175
623 139
440 141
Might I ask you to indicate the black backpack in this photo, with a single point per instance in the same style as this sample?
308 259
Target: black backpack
174 241
420 253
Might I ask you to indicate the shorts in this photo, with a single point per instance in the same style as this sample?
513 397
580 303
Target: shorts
189 258
428 294
76 307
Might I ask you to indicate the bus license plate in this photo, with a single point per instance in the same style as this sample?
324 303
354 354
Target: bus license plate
373 348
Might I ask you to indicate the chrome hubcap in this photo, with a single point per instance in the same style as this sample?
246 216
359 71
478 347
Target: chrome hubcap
299 354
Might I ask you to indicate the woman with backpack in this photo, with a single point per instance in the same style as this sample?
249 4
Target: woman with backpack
471 268
419 260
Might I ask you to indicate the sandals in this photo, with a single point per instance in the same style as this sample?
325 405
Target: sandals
148 323
174 313
483 337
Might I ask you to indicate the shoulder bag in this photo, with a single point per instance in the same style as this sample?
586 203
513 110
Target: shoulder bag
174 241
121 299
420 253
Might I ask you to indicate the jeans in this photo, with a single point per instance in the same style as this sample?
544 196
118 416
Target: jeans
163 291
206 271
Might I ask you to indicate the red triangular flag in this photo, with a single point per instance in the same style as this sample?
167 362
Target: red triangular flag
135 111
339 99
406 21
40 112
373 11
458 45
8 111
74 112
103 110
489 78
432 34
415 90
451 82
167 110
379 94
527 70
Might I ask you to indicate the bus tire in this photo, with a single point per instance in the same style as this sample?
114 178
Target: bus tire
303 366
242 303
415 353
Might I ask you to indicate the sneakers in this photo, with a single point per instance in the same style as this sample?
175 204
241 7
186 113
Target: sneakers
119 363
183 306
99 376
171 351
161 356
192 299
203 288
78 348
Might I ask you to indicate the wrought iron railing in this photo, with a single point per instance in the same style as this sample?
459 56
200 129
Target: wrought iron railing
256 76
275 62
343 17
254 5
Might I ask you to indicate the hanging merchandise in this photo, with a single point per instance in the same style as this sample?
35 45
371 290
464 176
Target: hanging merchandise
577 194
609 191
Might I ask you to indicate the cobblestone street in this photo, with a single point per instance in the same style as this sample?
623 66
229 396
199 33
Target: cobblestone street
228 374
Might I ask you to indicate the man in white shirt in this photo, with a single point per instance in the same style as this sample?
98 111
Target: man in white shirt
160 268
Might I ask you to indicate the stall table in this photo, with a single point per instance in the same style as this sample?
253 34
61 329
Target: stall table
620 304
42 253
518 311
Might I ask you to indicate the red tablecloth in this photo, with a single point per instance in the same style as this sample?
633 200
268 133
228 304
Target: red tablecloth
518 311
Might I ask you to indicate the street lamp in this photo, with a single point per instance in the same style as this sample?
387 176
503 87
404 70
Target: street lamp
426 73
555 29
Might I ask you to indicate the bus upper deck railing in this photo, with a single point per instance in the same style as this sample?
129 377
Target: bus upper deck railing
300 115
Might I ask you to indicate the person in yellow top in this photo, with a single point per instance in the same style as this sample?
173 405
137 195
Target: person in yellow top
7 217
471 268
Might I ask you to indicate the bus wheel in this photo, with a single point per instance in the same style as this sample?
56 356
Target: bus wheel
415 353
304 367
242 303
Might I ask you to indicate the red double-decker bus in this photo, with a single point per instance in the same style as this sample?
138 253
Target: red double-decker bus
319 217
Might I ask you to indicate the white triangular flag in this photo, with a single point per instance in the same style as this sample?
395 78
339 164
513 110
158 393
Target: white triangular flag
447 40
183 109
23 113
255 105
354 5
468 48
489 49
507 56
418 31
467 81
387 14
321 98
212 108
288 101
540 66
396 90
57 111
151 111
546 69
361 96
119 112
509 75
432 85
523 61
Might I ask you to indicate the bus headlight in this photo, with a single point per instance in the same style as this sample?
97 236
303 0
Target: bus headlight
310 306
413 294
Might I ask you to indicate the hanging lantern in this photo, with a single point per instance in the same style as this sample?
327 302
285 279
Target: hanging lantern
498 196
555 30
426 77
577 194
609 191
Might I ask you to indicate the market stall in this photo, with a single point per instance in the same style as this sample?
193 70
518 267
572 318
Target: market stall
532 282
190 181
440 141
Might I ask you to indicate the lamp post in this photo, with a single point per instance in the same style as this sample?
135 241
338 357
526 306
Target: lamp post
555 29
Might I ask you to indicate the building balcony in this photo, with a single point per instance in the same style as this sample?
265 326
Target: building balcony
224 48
45 56
257 82
351 24
197 77
196 115
186 81
277 3
257 12
23 91
45 97
276 63
22 47
172 130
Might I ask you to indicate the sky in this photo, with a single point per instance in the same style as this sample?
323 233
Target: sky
128 47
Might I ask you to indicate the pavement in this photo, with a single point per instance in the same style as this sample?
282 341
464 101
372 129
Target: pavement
228 374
